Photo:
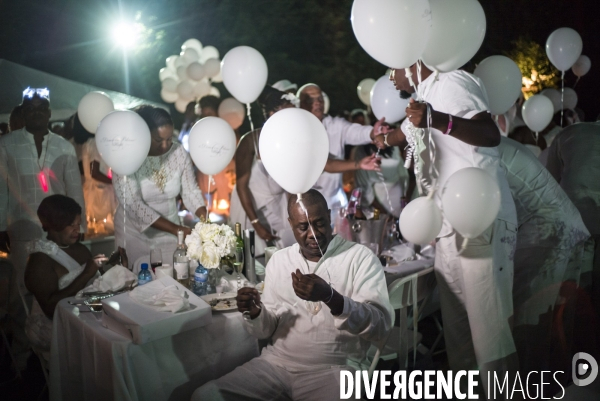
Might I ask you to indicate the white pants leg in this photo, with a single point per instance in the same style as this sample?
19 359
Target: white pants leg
261 380
476 298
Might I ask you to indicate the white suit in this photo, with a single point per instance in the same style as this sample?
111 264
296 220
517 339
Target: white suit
308 351
475 287
550 229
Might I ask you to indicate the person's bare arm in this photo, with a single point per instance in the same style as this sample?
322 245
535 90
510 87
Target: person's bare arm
244 156
165 225
480 130
97 175
41 280
368 163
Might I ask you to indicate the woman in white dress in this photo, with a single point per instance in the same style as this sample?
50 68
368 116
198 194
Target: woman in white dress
98 191
146 216
58 267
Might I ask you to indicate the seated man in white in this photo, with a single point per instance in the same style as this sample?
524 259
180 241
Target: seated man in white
320 311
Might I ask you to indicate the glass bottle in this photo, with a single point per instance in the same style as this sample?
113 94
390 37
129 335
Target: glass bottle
181 263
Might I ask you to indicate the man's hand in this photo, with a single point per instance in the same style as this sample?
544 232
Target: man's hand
370 163
4 242
248 300
417 115
310 287
379 141
380 128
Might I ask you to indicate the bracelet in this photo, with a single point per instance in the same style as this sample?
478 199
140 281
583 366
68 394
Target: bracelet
385 142
449 124
254 221
331 296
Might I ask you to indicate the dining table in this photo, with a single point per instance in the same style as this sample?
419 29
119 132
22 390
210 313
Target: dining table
90 362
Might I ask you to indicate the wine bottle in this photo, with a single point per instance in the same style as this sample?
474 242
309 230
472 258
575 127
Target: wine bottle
238 262
181 263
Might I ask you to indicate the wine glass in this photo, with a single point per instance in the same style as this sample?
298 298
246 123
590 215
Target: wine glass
238 265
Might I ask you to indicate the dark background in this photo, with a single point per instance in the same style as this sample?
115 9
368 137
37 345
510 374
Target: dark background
302 40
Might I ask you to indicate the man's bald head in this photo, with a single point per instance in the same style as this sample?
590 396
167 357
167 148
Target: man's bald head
311 99
310 198
311 241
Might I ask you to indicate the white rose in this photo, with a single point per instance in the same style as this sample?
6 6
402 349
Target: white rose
194 244
210 257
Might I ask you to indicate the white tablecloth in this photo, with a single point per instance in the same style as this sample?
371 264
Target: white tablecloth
90 362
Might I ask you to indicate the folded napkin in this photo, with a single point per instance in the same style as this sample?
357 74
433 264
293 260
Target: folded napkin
400 253
162 299
115 279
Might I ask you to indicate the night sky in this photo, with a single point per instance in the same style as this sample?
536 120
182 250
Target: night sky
302 40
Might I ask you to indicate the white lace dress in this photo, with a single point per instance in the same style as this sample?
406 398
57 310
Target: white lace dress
39 326
151 193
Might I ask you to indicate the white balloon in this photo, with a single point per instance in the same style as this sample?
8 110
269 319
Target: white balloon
212 67
421 221
232 111
209 52
201 89
393 32
170 62
502 80
471 201
294 147
190 55
180 62
192 43
364 90
326 102
212 145
582 66
181 105
219 77
165 73
169 97
182 72
537 112
195 71
570 99
123 141
170 84
185 90
554 96
245 73
214 92
386 101
563 48
92 108
457 31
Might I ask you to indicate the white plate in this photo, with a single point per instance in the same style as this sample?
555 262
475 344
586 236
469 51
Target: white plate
222 306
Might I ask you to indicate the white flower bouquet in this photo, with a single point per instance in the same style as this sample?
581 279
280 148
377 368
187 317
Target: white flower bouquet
210 242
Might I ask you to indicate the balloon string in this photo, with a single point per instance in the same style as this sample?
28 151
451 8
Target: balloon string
577 80
209 205
562 97
125 215
463 247
249 114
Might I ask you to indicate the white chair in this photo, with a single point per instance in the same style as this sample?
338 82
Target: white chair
410 291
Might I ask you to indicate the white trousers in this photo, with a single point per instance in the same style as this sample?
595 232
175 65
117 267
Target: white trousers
476 298
259 379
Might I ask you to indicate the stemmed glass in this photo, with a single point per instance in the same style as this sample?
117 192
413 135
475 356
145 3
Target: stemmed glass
238 265
155 258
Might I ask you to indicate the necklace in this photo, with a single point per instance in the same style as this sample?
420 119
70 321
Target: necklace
159 174
63 247
313 307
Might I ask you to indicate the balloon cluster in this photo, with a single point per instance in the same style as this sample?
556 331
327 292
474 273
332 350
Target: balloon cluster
189 75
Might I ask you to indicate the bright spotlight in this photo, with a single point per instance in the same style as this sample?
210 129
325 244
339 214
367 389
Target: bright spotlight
126 35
